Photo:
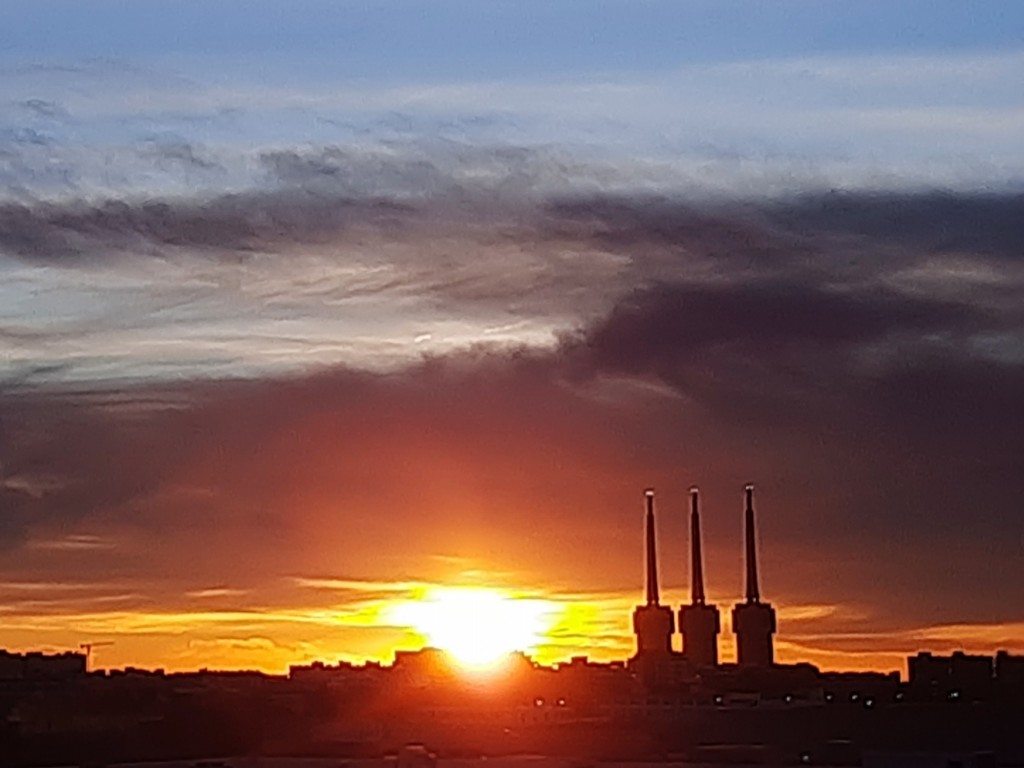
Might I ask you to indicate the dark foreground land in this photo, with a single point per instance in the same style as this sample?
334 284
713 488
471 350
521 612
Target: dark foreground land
955 736
953 713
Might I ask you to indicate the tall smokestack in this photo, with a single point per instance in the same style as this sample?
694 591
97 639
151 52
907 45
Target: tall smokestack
652 552
698 621
653 623
752 620
696 562
753 594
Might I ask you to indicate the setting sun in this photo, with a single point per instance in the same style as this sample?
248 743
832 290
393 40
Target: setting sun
478 626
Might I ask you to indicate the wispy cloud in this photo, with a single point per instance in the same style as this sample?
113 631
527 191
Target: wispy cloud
73 543
215 592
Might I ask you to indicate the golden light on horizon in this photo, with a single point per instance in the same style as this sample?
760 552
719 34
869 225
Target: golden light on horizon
478 626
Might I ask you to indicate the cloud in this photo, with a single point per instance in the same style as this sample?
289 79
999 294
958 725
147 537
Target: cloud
192 377
41 108
500 458
944 222
105 127
804 355
478 250
73 542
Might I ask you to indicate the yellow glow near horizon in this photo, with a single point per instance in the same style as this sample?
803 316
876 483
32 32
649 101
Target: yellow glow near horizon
478 626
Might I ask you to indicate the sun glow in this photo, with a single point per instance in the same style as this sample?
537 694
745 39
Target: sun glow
478 626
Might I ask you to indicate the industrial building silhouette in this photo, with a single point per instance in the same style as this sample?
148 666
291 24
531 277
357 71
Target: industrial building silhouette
753 621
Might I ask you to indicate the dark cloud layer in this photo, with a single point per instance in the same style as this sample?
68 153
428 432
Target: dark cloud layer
233 223
307 197
937 221
872 479
774 351
827 348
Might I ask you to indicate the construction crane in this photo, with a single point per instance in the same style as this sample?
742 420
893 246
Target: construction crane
87 647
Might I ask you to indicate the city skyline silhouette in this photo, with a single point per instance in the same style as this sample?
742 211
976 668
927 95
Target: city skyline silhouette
473 693
479 626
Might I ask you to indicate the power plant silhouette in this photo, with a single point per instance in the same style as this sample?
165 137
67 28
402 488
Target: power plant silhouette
964 709
654 624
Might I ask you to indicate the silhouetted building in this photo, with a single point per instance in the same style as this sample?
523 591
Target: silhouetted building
753 621
866 688
698 621
1009 669
959 675
424 667
653 623
41 666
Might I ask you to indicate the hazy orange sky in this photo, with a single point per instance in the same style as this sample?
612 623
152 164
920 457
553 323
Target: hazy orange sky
305 317
260 523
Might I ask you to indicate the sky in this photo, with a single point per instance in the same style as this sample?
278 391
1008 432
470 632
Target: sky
311 309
